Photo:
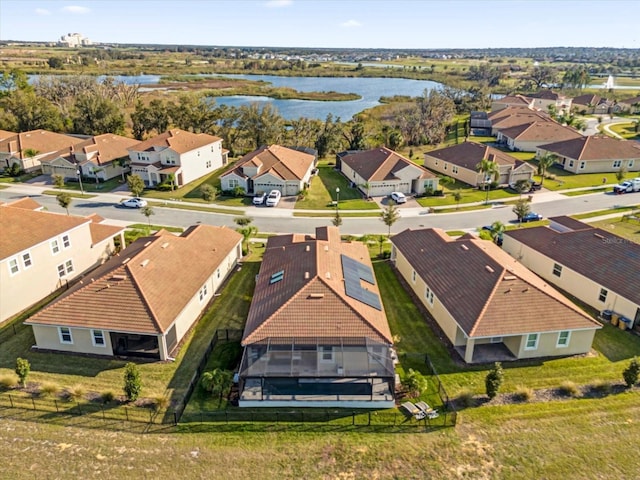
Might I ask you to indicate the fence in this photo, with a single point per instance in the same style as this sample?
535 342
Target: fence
9 331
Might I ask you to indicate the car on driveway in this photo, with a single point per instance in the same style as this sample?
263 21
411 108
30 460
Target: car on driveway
259 198
134 202
398 197
273 198
531 217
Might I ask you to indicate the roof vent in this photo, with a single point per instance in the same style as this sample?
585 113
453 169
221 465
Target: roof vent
124 262
328 275
489 269
509 277
326 248
525 290
307 248
316 295
118 278
464 247
144 263
597 235
148 243
165 244
276 277
306 275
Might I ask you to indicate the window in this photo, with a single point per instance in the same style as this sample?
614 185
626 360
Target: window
570 163
13 266
208 164
68 265
532 342
445 165
582 165
98 338
66 241
428 294
557 269
218 273
55 247
198 152
563 339
413 276
203 293
454 169
65 268
617 163
65 335
233 183
631 163
26 260
327 354
603 295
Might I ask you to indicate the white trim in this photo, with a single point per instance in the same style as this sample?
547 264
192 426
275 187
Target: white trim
53 244
68 241
102 335
62 340
563 345
17 265
24 264
526 341
323 350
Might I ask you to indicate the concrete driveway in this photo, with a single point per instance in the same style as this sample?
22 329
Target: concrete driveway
383 202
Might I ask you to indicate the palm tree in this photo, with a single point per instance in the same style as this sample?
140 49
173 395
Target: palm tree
490 172
217 381
545 162
122 162
497 230
521 208
247 231
522 185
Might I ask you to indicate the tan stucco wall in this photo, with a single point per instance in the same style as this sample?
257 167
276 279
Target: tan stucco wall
47 337
579 342
465 175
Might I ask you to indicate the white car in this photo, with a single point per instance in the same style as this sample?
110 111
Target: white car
134 202
273 198
398 197
628 186
259 198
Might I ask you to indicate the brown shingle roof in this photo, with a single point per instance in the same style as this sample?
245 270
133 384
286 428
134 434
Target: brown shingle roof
541 131
469 154
631 101
311 300
514 100
605 258
586 99
285 163
380 164
42 141
515 119
545 95
597 147
178 140
108 147
486 291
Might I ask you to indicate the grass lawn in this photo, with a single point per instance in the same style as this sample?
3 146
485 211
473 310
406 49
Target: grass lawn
469 195
330 214
626 130
581 216
72 195
626 229
199 208
93 187
566 180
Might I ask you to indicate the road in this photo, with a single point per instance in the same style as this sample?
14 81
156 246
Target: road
278 220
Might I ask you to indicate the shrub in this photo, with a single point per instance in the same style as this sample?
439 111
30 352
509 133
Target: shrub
493 380
76 392
107 396
466 398
415 383
208 192
160 402
48 389
23 367
523 394
569 389
8 381
601 386
632 372
132 383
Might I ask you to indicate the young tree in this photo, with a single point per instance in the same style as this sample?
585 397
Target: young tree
58 180
545 163
521 208
147 212
522 185
64 200
490 173
246 230
122 162
390 215
493 380
135 184
621 173
208 192
632 372
132 383
457 196
217 382
243 221
23 367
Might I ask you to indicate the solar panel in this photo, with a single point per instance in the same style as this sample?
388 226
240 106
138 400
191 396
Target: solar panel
353 272
276 277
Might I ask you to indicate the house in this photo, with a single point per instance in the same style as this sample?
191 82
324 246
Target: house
585 104
316 334
530 136
488 305
272 167
514 116
380 171
479 123
27 148
594 154
460 162
545 99
98 157
631 105
595 266
176 156
144 300
5 134
511 101
41 252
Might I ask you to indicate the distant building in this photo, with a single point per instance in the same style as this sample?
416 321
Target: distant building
73 40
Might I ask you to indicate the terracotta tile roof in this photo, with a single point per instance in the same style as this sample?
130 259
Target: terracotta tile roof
146 286
596 147
42 141
586 99
5 133
27 203
469 154
107 147
546 131
101 232
310 300
285 163
605 258
178 140
24 227
380 164
487 292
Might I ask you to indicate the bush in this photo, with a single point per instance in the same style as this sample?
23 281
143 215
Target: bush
466 398
601 386
132 383
632 372
569 389
107 396
23 367
493 380
48 389
8 381
76 393
414 382
164 187
523 394
160 402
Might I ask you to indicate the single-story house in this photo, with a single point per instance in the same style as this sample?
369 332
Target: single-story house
589 104
27 148
460 162
594 154
98 157
489 306
176 156
144 300
631 105
595 266
544 99
514 116
272 167
316 334
6 133
529 137
41 252
380 171
511 101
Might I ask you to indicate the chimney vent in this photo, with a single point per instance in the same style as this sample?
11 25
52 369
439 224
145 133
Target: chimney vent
489 269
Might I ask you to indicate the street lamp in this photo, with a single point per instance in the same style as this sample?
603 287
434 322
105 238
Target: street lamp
79 174
337 198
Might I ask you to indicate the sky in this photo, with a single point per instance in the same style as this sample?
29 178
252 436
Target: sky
400 24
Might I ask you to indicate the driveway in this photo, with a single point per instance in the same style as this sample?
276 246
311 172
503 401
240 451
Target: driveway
383 202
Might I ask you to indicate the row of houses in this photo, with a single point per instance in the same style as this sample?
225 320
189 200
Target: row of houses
583 104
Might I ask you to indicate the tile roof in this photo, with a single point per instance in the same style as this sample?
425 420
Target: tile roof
282 162
546 131
379 164
5 133
178 140
42 141
469 154
605 258
545 95
101 232
586 99
486 291
596 147
513 119
106 148
513 100
26 203
310 300
146 286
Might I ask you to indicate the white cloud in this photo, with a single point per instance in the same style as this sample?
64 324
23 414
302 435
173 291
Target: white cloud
278 3
75 9
351 23
42 11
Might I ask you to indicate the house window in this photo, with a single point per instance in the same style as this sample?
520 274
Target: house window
218 273
198 152
631 163
563 339
13 266
233 183
617 163
66 241
435 162
65 268
532 342
55 247
454 169
603 295
557 269
582 165
208 164
65 335
327 354
203 293
413 276
98 338
428 294
445 165
570 163
26 260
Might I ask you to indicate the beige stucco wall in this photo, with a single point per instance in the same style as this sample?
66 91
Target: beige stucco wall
595 166
404 183
579 342
268 182
47 337
470 177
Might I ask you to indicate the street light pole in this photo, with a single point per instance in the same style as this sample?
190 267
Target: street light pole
79 173
337 198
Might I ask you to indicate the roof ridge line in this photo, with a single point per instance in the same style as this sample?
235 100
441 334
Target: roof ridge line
489 298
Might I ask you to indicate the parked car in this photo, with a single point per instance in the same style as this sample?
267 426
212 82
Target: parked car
259 198
398 197
273 198
531 217
134 202
533 187
627 186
